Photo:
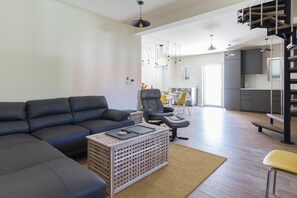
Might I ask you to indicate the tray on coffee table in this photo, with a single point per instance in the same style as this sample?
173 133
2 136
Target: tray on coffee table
131 132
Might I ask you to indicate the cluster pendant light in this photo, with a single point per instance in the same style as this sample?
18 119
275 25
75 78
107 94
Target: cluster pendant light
211 46
164 54
140 23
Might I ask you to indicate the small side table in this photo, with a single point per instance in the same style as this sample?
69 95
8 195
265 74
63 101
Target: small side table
136 116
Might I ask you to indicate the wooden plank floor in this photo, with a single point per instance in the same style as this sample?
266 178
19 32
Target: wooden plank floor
231 134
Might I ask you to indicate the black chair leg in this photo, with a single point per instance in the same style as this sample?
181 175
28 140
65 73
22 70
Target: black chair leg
182 138
174 136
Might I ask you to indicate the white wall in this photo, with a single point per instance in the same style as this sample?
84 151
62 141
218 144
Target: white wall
151 75
49 49
155 77
195 63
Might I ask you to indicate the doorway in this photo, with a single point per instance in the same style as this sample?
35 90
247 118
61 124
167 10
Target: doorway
212 90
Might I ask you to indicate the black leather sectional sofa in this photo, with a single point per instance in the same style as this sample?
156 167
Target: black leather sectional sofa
36 137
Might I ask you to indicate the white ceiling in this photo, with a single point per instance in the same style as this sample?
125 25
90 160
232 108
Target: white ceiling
119 10
192 35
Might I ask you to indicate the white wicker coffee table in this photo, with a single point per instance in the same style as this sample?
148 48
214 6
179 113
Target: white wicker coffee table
121 163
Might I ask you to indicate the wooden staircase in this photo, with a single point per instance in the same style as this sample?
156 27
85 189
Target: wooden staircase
275 16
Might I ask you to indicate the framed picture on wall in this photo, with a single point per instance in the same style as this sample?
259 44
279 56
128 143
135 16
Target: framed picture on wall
186 73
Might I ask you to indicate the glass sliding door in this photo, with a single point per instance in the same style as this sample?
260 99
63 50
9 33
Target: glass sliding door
212 85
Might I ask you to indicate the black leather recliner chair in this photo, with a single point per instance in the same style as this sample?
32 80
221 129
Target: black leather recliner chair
155 113
152 107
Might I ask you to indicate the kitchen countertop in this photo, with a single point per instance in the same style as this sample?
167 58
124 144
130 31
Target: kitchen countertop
266 89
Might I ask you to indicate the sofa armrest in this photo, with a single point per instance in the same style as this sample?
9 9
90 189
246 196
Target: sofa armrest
115 115
168 109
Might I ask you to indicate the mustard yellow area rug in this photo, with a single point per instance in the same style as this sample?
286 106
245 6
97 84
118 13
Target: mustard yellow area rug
187 168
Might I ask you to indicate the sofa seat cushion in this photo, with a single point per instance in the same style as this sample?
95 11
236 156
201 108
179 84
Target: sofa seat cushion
97 126
65 138
25 155
58 178
16 139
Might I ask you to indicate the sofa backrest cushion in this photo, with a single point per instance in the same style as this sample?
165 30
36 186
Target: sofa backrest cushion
87 107
48 113
13 118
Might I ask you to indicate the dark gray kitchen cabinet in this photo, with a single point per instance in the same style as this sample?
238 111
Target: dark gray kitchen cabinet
259 101
276 101
246 100
251 61
232 99
232 80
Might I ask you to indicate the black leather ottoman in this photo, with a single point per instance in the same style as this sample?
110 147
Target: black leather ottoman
175 122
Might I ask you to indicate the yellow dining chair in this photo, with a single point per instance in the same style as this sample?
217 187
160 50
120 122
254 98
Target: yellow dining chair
182 102
164 99
279 160
167 91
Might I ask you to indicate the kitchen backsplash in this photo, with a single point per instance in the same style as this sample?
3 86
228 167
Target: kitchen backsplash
260 81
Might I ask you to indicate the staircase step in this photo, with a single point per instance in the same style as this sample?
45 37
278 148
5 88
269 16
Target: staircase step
268 126
293 91
293 101
259 20
293 69
267 22
293 81
266 8
257 15
294 110
292 58
273 18
282 27
292 46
